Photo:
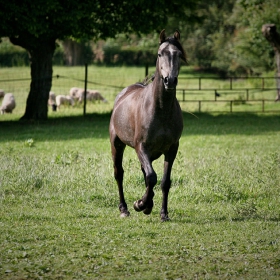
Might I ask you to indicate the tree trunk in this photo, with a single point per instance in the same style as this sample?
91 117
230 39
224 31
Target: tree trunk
41 55
73 52
273 37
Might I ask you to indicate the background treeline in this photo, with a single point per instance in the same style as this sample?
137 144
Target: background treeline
226 38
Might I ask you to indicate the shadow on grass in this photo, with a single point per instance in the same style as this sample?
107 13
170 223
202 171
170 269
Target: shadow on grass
222 124
96 125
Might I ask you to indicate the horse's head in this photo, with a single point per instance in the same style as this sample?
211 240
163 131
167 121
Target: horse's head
169 54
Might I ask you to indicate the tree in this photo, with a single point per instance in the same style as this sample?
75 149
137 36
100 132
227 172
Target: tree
36 25
273 37
251 50
209 37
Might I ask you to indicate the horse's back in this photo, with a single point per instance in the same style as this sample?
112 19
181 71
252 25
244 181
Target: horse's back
128 91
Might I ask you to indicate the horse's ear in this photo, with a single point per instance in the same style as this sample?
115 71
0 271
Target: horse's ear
177 35
162 36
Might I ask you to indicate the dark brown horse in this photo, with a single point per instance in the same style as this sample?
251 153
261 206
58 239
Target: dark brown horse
148 118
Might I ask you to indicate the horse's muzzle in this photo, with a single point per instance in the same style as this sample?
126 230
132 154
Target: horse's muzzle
170 83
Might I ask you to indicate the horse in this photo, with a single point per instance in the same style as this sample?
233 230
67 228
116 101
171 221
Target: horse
148 118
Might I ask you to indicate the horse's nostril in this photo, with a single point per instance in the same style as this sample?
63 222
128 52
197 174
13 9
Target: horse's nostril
166 80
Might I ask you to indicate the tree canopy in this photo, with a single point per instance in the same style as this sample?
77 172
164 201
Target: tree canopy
228 36
36 25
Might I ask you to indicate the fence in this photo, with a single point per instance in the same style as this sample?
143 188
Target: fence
198 94
241 94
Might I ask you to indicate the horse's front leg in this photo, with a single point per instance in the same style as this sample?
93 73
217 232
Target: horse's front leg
166 180
146 203
117 148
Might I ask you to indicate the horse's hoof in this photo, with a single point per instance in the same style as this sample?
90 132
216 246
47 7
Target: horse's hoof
137 206
125 214
147 211
165 218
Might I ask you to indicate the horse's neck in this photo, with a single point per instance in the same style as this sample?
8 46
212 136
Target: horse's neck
163 100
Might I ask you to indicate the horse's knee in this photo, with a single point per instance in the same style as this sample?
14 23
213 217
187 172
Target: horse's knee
151 179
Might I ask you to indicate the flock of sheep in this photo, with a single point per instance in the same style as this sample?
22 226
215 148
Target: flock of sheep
8 102
75 94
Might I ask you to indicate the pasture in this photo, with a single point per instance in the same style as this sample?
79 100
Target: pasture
59 216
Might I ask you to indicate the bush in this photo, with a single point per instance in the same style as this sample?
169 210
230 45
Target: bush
115 55
11 55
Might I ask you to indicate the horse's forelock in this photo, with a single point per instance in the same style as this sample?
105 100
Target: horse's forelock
177 44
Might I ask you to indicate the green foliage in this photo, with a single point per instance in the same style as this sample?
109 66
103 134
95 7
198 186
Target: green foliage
79 19
137 55
251 50
228 36
207 39
11 55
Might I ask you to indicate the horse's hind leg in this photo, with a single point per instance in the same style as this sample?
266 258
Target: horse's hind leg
166 180
117 148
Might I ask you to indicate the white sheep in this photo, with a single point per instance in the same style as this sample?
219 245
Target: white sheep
64 99
8 103
73 92
80 94
95 95
92 95
2 93
52 97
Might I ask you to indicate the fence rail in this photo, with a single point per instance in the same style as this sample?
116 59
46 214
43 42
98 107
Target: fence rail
216 96
232 80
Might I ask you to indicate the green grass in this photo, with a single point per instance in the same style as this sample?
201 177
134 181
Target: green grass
59 216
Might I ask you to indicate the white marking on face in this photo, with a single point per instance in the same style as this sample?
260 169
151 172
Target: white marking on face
169 60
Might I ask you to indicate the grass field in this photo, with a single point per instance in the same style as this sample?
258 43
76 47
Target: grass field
59 216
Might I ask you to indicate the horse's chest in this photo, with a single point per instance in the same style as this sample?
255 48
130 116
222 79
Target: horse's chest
162 137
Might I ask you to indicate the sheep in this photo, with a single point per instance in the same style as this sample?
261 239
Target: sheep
79 93
8 103
2 93
64 99
95 95
73 92
52 97
91 95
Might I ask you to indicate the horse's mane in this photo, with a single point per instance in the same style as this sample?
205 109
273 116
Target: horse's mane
148 79
177 44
